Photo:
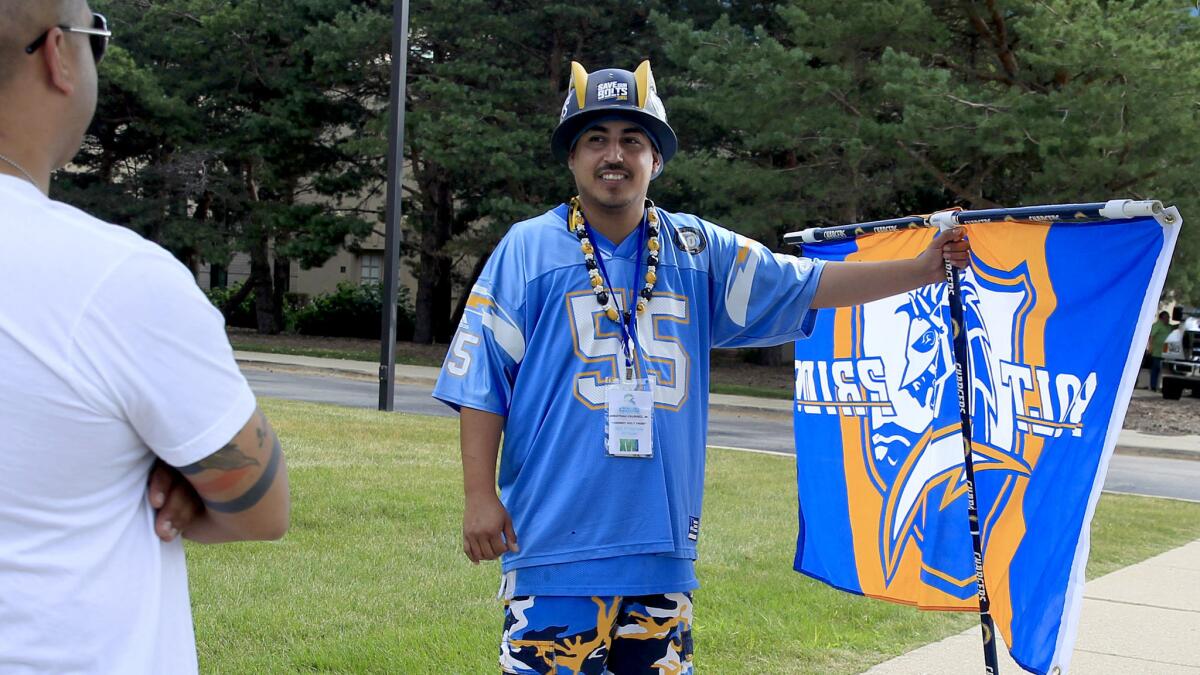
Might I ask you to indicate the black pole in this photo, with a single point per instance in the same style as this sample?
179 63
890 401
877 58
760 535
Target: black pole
963 375
395 169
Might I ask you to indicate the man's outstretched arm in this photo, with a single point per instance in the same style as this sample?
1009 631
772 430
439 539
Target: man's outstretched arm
854 283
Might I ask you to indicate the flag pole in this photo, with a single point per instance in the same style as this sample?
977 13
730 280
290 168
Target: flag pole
1114 209
946 220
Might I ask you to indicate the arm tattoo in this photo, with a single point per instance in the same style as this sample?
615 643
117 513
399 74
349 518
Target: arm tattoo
227 458
256 491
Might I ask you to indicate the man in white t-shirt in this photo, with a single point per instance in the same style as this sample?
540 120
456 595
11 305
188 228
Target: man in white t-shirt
110 360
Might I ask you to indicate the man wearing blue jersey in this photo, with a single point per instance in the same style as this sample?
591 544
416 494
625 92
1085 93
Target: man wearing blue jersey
585 343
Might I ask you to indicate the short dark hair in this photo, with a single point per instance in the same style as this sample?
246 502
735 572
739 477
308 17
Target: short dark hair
1164 315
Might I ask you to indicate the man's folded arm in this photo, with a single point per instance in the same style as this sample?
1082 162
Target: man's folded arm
244 487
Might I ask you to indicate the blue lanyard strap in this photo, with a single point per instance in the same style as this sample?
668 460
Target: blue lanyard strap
627 321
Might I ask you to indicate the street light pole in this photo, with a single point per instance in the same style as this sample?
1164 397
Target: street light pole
395 169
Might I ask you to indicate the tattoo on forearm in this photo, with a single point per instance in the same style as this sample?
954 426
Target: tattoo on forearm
227 458
256 492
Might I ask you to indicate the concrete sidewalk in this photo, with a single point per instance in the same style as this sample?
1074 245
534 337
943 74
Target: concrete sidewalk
1143 619
1129 442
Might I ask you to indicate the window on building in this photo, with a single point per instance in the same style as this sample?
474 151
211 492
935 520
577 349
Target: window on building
371 265
218 276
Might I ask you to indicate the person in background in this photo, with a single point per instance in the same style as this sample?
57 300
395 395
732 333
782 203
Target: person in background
1159 331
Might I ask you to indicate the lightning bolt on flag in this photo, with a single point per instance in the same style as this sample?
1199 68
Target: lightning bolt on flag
1057 304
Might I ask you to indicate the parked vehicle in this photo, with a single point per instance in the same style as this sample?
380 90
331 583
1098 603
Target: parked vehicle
1181 360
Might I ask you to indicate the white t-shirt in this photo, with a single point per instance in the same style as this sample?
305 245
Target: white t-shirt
109 356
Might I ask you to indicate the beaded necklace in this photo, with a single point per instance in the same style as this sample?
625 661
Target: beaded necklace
603 295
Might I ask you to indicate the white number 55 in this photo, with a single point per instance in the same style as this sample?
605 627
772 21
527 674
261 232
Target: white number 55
597 342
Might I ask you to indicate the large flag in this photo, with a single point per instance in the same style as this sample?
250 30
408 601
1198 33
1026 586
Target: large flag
1057 316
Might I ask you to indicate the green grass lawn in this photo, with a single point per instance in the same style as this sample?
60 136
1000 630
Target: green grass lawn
371 577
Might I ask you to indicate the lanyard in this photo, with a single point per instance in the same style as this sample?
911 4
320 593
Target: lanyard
627 322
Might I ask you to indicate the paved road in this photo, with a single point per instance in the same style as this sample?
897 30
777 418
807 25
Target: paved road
342 391
1155 476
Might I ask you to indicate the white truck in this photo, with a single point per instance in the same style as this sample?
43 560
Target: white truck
1181 360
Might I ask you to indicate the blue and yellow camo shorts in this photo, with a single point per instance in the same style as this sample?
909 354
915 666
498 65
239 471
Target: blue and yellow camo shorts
622 635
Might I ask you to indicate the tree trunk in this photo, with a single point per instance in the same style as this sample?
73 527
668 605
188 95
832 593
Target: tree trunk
236 299
433 278
461 306
260 264
260 269
191 257
282 283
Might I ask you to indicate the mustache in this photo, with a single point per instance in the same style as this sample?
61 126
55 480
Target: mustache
612 167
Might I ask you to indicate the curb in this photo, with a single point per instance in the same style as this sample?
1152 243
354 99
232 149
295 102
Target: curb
1163 453
349 374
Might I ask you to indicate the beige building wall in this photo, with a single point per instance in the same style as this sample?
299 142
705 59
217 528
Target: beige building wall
362 263
363 266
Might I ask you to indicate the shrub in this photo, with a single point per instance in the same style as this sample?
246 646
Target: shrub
242 316
353 310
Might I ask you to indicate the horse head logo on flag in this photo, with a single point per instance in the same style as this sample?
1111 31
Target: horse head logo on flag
914 449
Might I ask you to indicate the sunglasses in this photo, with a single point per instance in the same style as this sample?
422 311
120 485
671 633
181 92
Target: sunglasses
98 36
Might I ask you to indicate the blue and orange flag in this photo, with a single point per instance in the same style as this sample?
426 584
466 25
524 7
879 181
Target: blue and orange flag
1057 306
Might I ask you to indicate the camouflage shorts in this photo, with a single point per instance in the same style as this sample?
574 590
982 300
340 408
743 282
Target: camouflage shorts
609 634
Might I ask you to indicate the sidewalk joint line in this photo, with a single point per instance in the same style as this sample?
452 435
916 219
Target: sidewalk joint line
1134 658
1140 604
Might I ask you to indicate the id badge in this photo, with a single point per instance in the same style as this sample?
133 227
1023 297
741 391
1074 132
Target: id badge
629 427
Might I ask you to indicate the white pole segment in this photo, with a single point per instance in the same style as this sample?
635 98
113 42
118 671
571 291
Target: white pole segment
1117 209
944 220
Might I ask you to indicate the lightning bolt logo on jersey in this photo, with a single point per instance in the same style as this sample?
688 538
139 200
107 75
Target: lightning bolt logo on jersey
534 346
1051 315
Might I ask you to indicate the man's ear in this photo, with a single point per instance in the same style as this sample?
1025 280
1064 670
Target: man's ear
571 159
657 162
56 57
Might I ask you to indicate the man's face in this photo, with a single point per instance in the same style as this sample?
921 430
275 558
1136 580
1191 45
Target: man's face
613 163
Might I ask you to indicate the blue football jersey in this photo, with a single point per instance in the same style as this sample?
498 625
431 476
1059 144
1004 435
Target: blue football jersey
534 346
